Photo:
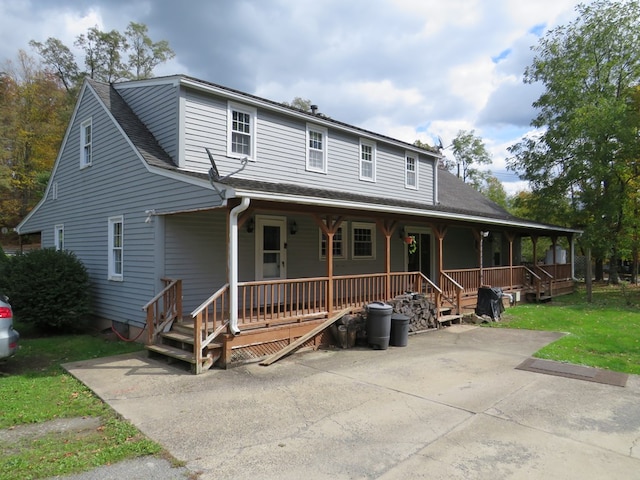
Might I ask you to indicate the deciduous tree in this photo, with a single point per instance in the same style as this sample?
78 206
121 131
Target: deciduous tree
586 145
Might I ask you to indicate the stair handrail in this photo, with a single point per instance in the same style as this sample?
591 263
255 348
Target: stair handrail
537 281
157 318
550 278
199 343
459 289
438 292
210 300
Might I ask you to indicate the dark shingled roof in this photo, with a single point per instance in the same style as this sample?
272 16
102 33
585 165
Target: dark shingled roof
455 197
133 127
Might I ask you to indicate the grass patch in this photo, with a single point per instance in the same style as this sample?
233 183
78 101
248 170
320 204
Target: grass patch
604 333
35 389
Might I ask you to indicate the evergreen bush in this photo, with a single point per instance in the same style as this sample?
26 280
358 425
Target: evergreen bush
47 288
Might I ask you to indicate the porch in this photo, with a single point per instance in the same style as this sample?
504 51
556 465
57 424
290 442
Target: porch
273 314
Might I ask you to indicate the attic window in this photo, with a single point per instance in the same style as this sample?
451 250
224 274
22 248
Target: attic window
86 137
241 131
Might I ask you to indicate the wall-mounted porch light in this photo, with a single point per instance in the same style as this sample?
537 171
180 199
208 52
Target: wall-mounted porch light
251 225
293 228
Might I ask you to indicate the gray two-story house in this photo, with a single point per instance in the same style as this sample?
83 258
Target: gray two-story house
257 220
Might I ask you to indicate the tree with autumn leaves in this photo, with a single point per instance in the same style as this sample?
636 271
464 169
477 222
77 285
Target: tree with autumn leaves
37 98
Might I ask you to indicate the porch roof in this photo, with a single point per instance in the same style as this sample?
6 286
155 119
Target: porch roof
459 203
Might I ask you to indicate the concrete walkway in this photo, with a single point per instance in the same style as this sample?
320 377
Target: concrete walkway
450 405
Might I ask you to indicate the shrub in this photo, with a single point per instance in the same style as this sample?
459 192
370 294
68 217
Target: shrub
48 288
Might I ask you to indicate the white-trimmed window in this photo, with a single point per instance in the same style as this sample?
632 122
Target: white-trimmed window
367 160
339 244
316 149
58 236
363 240
241 131
54 191
116 252
411 171
86 137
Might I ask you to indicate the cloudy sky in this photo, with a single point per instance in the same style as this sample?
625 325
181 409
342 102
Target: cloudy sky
410 69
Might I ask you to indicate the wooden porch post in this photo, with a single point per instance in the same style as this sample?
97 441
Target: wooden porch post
387 227
554 242
534 241
329 227
511 237
440 231
572 253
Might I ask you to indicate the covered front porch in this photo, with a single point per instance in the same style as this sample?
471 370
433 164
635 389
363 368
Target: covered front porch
268 315
271 296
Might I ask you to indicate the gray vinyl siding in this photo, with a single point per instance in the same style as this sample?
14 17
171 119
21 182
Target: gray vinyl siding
195 247
460 249
158 108
281 153
117 183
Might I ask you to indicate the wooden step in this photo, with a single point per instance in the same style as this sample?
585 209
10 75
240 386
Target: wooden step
187 339
173 352
449 319
178 336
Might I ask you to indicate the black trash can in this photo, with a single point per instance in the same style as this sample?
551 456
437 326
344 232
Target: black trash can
378 325
399 330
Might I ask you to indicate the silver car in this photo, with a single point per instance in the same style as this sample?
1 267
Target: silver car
8 336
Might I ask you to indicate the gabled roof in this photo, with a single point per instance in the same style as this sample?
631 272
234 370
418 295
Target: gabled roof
132 126
457 200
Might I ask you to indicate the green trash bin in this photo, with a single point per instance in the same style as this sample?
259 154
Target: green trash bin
399 330
378 325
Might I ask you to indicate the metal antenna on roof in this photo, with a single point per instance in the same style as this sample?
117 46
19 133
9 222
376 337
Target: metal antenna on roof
214 175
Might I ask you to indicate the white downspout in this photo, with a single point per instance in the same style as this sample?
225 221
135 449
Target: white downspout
233 264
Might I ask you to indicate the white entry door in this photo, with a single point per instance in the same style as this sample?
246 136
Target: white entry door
271 253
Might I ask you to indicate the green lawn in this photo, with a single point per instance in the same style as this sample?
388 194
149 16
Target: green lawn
35 389
603 334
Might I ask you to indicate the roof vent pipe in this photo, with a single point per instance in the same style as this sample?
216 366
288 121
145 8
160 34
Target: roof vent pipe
314 109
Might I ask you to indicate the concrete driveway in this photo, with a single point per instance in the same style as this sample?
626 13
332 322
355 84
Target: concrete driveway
450 405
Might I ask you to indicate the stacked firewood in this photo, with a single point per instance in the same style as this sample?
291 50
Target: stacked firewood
421 312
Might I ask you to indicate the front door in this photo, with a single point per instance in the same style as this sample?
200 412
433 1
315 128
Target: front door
420 260
271 258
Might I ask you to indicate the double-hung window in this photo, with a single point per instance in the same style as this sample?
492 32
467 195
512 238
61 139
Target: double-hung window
116 252
241 131
411 171
86 141
367 160
316 149
339 250
363 239
58 236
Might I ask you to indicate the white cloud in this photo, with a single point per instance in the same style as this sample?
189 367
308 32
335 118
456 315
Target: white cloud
411 69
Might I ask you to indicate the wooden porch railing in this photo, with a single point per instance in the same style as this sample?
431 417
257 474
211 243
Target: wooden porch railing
503 277
271 302
164 308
